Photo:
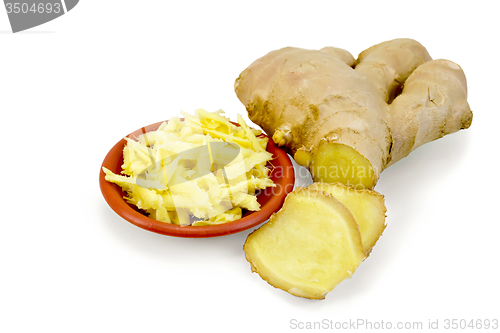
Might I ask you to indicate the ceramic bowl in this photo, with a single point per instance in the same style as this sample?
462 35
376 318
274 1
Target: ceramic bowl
271 199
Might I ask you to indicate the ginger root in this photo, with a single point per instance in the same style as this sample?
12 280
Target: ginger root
348 120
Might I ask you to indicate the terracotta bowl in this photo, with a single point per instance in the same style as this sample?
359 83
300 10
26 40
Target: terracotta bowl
271 199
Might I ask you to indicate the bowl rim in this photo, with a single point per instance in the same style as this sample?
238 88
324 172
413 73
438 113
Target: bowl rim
113 195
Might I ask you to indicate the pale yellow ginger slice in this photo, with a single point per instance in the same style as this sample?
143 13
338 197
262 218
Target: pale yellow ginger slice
367 207
307 248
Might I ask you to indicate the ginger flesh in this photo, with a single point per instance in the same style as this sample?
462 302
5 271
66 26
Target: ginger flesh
334 162
307 248
367 207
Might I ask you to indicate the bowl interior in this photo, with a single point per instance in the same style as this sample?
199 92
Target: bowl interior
270 199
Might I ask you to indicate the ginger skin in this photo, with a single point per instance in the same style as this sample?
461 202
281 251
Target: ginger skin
348 120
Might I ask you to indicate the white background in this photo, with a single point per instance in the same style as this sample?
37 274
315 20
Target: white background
70 89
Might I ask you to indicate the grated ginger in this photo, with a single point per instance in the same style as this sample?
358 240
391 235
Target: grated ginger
203 170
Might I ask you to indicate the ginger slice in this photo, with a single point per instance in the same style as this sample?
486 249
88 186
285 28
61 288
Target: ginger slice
307 248
367 207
